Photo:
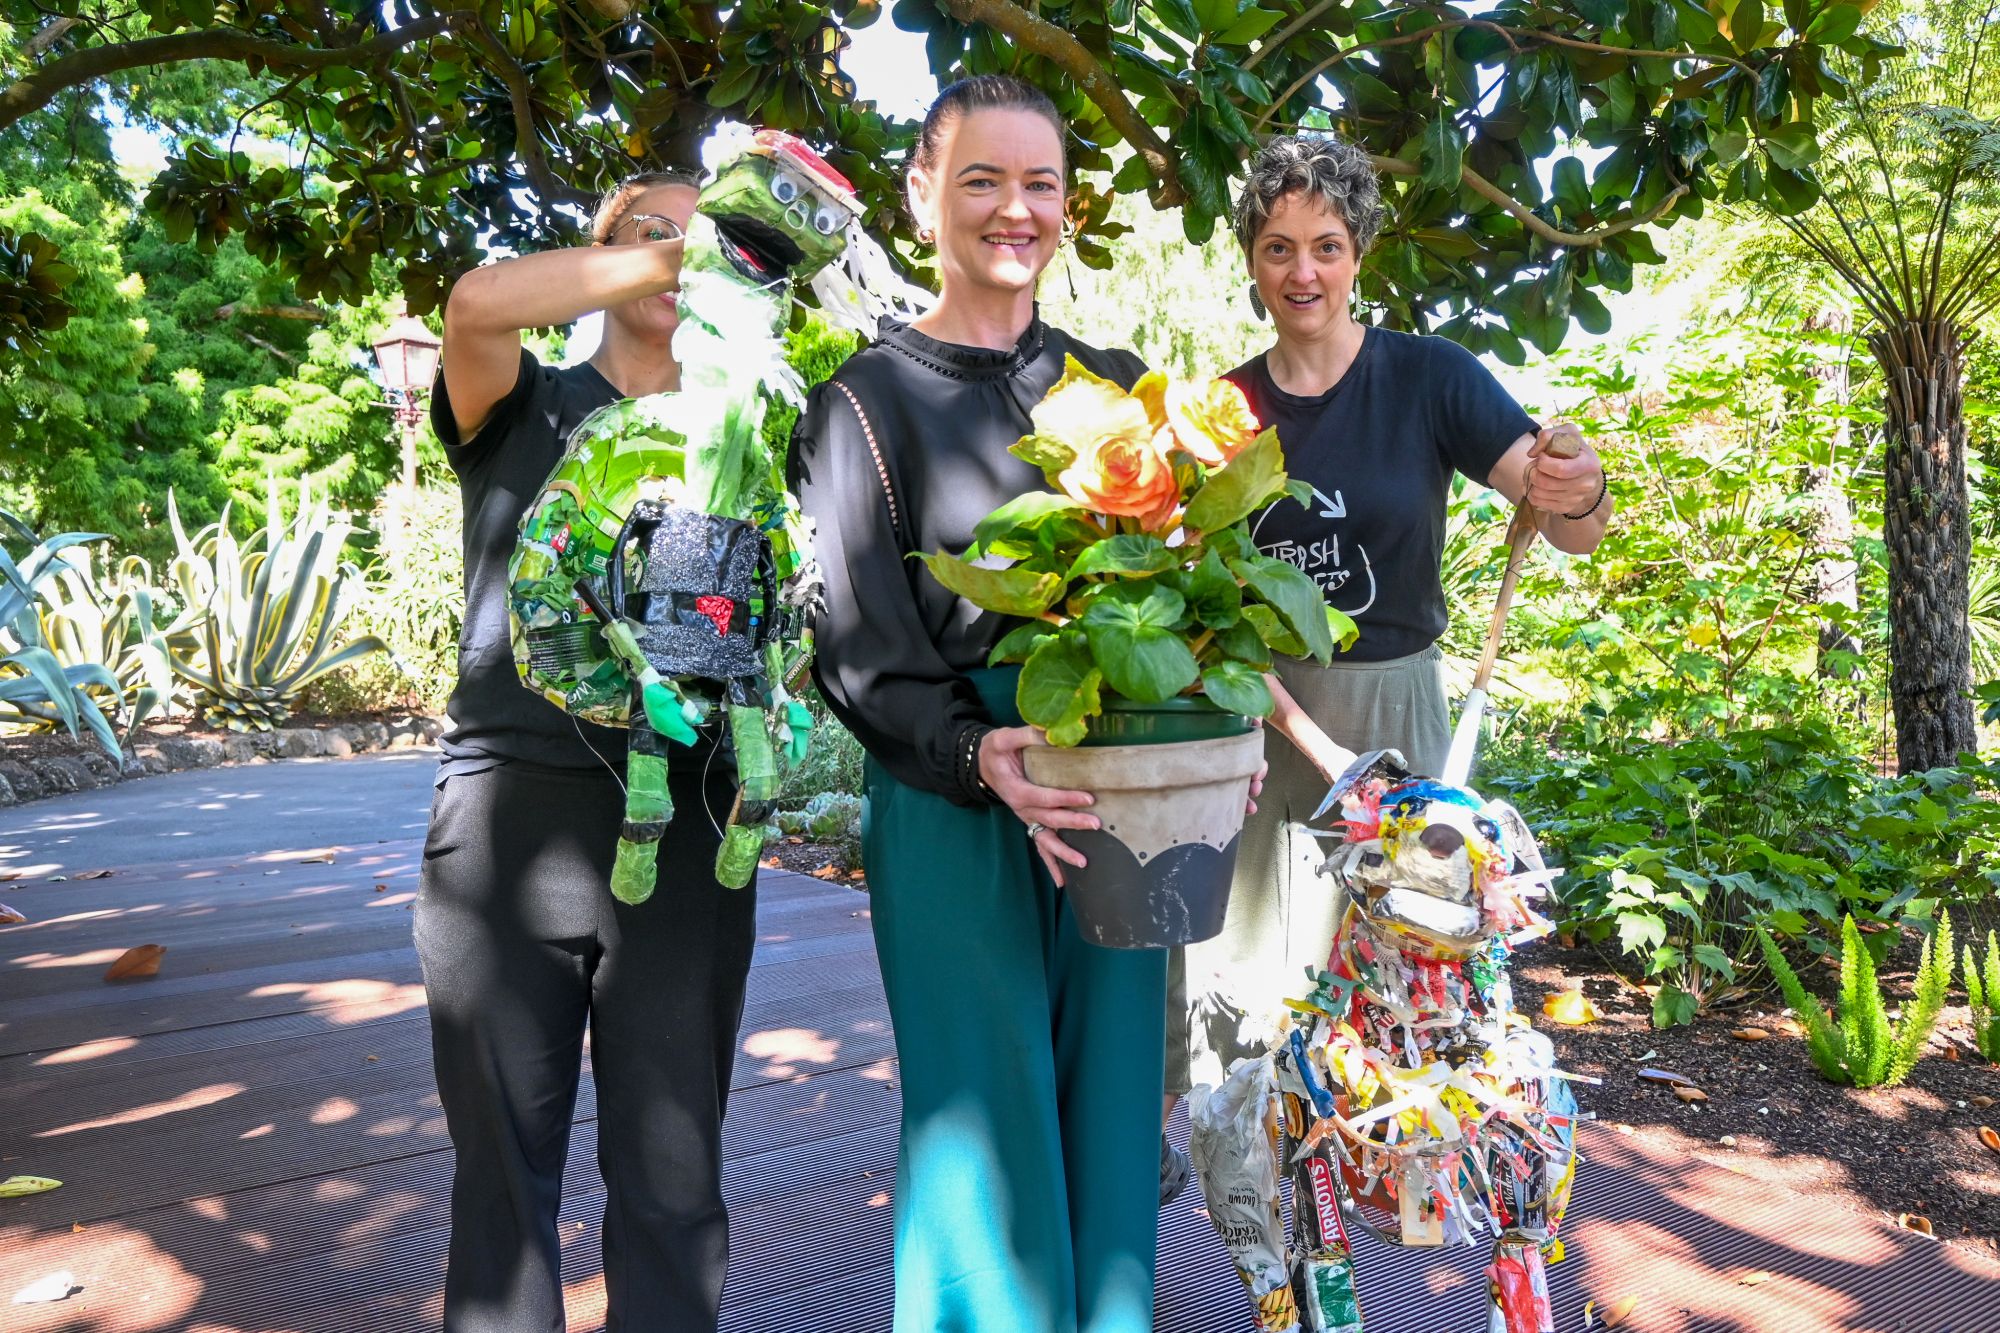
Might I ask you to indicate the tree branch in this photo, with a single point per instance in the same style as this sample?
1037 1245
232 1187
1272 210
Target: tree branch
1039 37
1486 189
44 38
35 91
251 310
521 94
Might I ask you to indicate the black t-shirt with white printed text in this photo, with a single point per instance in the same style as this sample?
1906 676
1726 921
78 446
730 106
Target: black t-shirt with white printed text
1379 449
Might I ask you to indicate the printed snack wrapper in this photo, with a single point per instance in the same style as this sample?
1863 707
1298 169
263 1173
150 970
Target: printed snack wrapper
1323 1269
1234 1145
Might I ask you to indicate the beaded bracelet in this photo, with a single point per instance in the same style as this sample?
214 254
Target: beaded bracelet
1603 489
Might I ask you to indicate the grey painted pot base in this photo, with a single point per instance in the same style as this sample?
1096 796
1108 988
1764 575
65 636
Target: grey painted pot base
1160 866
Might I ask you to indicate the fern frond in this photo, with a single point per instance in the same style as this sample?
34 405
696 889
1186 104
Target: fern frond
1927 997
1982 993
1823 1039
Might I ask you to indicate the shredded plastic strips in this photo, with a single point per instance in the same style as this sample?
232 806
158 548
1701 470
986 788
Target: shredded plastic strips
1415 1100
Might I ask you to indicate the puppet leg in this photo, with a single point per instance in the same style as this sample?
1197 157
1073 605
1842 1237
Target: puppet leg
649 808
749 824
1518 1302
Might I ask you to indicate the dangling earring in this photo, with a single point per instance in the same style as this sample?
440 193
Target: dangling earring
1069 274
926 236
1257 305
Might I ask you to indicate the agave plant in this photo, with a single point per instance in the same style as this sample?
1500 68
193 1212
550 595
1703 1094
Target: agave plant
37 689
263 615
87 619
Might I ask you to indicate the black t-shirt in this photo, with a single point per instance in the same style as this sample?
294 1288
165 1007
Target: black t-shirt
1378 449
494 718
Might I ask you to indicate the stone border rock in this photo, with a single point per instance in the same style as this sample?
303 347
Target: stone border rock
23 780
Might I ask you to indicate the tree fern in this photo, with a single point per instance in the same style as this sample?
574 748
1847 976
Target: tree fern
1982 991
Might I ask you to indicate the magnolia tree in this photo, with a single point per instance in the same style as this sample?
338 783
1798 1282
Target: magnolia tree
417 128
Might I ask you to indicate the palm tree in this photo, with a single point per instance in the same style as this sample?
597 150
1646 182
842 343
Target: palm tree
1909 219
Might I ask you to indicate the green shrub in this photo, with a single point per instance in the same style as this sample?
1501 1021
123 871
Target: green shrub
833 760
1857 1044
1681 851
412 598
263 617
1982 993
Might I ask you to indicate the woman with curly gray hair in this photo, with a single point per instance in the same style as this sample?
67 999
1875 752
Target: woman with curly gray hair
1376 422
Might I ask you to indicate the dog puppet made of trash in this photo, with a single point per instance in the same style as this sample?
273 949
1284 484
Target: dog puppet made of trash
1405 1095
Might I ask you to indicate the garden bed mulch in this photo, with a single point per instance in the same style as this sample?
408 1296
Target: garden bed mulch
1913 1149
821 860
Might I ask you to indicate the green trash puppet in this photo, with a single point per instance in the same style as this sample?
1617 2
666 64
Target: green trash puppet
664 574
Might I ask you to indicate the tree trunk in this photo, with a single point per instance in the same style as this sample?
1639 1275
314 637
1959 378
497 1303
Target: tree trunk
1834 570
1925 526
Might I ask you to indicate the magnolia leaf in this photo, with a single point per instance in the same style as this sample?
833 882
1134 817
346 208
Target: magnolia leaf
1296 599
1011 592
1128 553
1572 1008
141 960
1017 643
1443 153
1237 687
1133 637
1244 485
1058 689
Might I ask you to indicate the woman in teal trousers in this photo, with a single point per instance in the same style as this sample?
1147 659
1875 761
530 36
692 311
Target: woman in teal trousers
1027 1186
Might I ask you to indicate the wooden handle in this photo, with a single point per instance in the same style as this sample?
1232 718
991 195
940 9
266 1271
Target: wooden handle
1562 440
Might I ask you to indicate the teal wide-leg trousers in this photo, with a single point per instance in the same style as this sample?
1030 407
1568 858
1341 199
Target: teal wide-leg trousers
1027 1189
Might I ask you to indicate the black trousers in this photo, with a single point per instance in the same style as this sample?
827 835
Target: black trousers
523 947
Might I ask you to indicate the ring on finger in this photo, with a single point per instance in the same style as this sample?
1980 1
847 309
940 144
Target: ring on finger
1035 830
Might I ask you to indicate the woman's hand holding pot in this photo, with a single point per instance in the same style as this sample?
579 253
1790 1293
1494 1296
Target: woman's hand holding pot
1042 809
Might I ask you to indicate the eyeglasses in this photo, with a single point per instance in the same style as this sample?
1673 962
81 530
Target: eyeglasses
648 227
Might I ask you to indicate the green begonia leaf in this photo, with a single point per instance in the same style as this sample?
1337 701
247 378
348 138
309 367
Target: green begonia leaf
1242 642
1237 687
1246 484
1012 592
1271 630
1296 598
1017 519
1020 641
1132 636
1058 690
1213 597
1128 553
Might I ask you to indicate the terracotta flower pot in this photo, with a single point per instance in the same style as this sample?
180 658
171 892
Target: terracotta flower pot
1161 865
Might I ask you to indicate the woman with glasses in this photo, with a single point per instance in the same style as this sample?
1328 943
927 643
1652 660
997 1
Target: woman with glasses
523 945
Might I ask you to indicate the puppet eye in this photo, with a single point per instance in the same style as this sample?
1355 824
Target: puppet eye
826 222
784 189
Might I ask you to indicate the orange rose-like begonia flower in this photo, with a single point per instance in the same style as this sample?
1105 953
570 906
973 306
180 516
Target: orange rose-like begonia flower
1211 419
1122 472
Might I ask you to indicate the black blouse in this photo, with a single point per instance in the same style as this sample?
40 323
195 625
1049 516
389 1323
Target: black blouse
892 645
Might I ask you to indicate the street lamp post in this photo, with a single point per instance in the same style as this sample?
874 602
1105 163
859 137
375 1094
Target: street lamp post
407 356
